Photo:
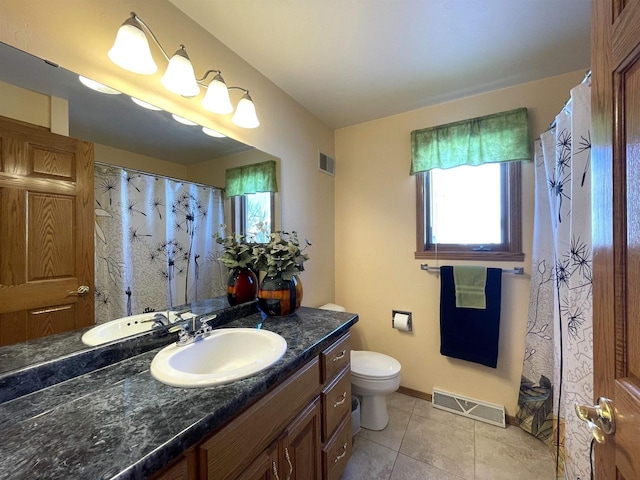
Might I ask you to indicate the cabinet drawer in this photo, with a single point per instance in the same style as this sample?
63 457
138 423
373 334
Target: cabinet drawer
336 357
337 451
336 403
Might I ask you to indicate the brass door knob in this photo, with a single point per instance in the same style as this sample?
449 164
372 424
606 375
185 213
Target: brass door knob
82 290
600 418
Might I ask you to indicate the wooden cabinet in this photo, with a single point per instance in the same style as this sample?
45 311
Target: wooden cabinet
301 430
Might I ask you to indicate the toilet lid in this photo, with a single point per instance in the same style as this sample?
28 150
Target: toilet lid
373 365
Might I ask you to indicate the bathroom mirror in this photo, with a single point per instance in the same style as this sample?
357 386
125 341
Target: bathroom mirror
116 122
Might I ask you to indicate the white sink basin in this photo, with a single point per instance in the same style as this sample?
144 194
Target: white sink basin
226 355
125 326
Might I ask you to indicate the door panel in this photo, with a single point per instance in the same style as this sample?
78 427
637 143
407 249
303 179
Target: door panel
46 232
616 228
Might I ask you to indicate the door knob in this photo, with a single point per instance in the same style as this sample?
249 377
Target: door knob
600 418
82 290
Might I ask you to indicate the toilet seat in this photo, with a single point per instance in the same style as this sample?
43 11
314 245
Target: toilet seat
373 365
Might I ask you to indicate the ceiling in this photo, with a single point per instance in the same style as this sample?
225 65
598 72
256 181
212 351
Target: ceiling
350 61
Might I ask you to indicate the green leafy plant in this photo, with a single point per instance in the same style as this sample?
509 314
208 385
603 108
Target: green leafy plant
236 250
282 255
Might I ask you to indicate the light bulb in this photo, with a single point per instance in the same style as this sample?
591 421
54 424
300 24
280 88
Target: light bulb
183 120
216 99
213 133
245 115
97 86
131 49
179 77
144 104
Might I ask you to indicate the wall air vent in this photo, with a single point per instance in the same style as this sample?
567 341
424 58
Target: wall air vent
326 164
469 407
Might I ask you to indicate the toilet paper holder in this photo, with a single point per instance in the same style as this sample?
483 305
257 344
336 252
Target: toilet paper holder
401 312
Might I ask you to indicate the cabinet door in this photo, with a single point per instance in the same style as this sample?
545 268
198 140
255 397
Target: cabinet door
301 453
264 467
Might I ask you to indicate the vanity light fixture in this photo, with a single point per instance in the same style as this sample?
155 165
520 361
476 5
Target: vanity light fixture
183 120
245 115
144 104
213 133
131 51
97 86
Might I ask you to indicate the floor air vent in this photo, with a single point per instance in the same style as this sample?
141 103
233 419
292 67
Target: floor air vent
326 164
469 407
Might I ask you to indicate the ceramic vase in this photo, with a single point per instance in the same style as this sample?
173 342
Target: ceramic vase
242 286
278 297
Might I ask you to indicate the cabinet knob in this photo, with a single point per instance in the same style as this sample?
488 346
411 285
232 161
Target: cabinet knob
339 357
275 470
343 397
344 452
286 454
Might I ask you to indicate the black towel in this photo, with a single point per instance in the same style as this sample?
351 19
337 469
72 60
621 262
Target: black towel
468 333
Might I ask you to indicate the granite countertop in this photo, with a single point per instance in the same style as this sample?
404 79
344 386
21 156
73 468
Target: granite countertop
120 423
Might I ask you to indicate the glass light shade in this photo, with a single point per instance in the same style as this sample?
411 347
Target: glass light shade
213 133
144 104
183 120
245 115
97 86
216 99
180 77
131 49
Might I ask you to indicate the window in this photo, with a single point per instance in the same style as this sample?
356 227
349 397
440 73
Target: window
251 189
252 214
468 187
470 212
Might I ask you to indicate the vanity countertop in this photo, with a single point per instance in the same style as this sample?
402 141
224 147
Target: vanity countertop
120 423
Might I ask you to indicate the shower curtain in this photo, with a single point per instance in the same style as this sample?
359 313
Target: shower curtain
154 243
558 362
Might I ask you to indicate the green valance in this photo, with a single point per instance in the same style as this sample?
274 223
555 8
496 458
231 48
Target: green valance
501 137
259 177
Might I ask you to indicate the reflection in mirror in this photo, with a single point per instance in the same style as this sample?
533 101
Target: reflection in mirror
140 139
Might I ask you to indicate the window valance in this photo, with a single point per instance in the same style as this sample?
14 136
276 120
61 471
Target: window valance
500 137
258 177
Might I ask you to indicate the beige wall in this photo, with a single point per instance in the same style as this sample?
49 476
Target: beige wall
125 159
25 105
375 244
77 34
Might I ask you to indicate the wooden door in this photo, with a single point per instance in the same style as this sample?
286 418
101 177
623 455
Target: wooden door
615 66
301 453
46 232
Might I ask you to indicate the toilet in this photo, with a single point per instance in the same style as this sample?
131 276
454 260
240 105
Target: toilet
373 376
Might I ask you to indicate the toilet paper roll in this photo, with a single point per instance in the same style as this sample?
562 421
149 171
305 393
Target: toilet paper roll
402 321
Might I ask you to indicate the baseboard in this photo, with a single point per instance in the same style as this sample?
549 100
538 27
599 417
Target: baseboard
415 393
427 396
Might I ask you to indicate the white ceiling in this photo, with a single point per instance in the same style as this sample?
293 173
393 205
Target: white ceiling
350 61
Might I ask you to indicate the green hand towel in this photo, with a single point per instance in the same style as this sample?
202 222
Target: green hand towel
470 283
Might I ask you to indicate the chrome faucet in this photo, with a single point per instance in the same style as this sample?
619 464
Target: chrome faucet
189 334
161 320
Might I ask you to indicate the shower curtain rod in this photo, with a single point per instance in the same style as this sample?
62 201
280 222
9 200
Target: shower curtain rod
515 270
173 179
587 77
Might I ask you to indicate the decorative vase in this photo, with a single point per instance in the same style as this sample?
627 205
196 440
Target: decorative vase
242 286
278 297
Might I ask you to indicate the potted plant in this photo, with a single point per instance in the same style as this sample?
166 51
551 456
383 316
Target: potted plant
282 260
242 282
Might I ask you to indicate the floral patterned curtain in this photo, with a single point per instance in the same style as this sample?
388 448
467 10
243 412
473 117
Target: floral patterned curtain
154 243
558 363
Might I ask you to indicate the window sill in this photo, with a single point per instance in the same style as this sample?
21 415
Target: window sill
479 256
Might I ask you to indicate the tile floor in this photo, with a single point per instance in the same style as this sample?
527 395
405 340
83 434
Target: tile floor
425 443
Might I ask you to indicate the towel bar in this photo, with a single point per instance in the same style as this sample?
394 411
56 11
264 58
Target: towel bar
515 270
